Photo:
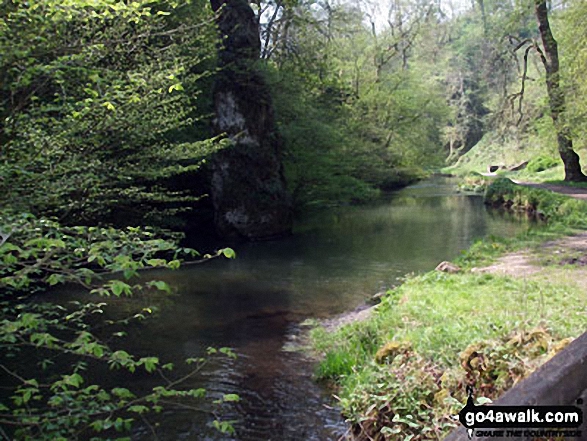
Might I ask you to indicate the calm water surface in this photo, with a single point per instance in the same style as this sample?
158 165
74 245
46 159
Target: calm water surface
333 263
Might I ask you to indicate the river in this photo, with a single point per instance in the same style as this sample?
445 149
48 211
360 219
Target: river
254 304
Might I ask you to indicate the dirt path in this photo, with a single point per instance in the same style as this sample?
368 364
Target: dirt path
571 250
577 193
574 192
561 259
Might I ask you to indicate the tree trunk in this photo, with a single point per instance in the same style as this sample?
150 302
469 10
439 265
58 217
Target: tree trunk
556 96
248 185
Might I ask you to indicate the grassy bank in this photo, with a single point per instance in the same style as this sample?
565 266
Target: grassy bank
402 374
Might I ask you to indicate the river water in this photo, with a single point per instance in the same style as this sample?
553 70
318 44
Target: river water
334 262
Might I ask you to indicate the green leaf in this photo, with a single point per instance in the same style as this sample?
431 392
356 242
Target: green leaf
228 352
197 393
32 382
174 264
223 426
43 339
97 350
74 380
128 273
122 358
109 106
161 286
29 320
231 398
176 86
156 262
228 253
118 287
55 279
122 392
150 363
26 396
97 425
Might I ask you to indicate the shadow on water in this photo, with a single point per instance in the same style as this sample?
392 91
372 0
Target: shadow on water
333 263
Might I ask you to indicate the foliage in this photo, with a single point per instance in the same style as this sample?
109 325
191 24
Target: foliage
48 402
353 120
95 97
573 42
100 106
38 253
541 163
319 166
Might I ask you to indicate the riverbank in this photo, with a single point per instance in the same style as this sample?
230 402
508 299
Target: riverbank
402 373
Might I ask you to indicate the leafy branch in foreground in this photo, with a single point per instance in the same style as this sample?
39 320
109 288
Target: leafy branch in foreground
65 405
38 253
44 400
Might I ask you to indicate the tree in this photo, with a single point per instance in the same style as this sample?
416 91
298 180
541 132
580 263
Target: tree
573 43
556 95
96 102
95 97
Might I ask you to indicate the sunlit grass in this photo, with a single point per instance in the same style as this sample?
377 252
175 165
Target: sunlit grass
441 314
439 317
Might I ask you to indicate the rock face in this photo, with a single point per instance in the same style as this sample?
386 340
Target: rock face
248 185
467 129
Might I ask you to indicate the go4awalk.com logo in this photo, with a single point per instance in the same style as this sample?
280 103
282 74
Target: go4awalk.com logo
521 421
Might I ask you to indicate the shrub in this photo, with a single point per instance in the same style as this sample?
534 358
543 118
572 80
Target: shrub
541 163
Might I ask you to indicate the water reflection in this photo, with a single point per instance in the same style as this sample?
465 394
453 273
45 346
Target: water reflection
333 262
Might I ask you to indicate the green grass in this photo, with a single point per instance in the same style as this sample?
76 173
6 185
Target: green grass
544 161
443 320
480 307
569 184
555 173
440 316
508 151
559 210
